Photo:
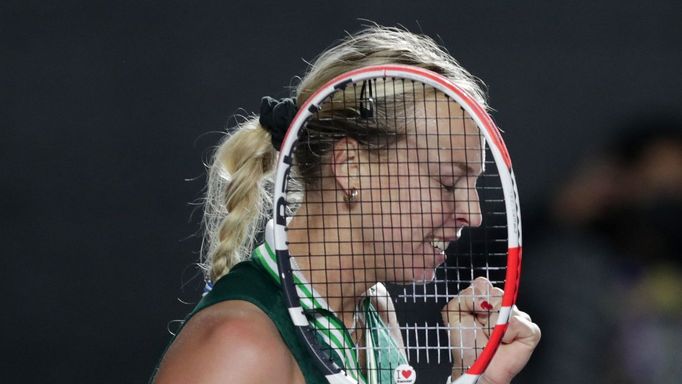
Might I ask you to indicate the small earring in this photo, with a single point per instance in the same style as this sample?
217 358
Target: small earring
351 197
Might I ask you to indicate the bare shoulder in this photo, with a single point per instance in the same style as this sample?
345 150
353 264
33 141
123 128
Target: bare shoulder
229 342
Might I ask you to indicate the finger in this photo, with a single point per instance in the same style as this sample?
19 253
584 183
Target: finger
459 308
490 310
523 330
487 298
517 312
475 298
488 301
463 339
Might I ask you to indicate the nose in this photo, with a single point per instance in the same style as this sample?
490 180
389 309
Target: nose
467 206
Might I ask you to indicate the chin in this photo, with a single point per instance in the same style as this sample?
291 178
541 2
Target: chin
424 275
422 268
415 275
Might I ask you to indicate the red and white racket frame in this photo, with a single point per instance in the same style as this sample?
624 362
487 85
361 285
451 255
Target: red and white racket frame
334 374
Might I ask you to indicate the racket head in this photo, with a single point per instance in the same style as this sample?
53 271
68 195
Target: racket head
491 248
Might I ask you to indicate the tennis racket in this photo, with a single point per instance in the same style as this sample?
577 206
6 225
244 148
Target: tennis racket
399 252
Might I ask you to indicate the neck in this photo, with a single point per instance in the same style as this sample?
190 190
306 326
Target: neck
327 258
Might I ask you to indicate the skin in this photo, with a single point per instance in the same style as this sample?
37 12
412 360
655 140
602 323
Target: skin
432 174
478 307
227 343
418 189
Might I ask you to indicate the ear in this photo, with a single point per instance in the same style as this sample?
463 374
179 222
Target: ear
345 164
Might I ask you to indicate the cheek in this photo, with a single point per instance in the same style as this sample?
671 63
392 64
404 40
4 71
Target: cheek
400 204
411 216
426 205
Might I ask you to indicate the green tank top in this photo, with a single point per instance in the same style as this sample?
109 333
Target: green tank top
248 282
256 282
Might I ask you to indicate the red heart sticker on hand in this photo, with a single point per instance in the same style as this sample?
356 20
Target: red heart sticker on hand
486 305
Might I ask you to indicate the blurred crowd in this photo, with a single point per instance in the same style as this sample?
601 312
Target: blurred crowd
603 275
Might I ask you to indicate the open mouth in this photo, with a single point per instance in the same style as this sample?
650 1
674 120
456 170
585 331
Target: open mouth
439 244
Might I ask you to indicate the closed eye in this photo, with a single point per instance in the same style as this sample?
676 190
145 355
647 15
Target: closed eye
449 188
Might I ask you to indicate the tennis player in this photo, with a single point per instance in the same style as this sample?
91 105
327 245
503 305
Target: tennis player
241 332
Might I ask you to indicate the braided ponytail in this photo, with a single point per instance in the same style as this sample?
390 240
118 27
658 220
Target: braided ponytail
237 197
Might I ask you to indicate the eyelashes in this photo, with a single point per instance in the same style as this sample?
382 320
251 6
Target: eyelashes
449 187
452 186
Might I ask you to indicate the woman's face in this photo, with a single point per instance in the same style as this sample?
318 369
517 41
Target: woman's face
417 196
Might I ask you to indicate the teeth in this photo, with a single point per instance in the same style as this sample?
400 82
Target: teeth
440 244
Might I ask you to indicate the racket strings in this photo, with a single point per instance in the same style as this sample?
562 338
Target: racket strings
383 116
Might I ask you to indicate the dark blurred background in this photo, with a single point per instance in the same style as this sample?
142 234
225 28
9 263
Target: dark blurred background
109 111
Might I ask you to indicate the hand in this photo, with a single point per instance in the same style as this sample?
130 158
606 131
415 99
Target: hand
472 316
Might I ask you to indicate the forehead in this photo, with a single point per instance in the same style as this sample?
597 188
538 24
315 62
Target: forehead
444 133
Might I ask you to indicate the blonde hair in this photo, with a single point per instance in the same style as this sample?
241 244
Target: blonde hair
238 199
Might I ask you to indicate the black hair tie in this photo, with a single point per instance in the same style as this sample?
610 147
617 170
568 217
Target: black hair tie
275 117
